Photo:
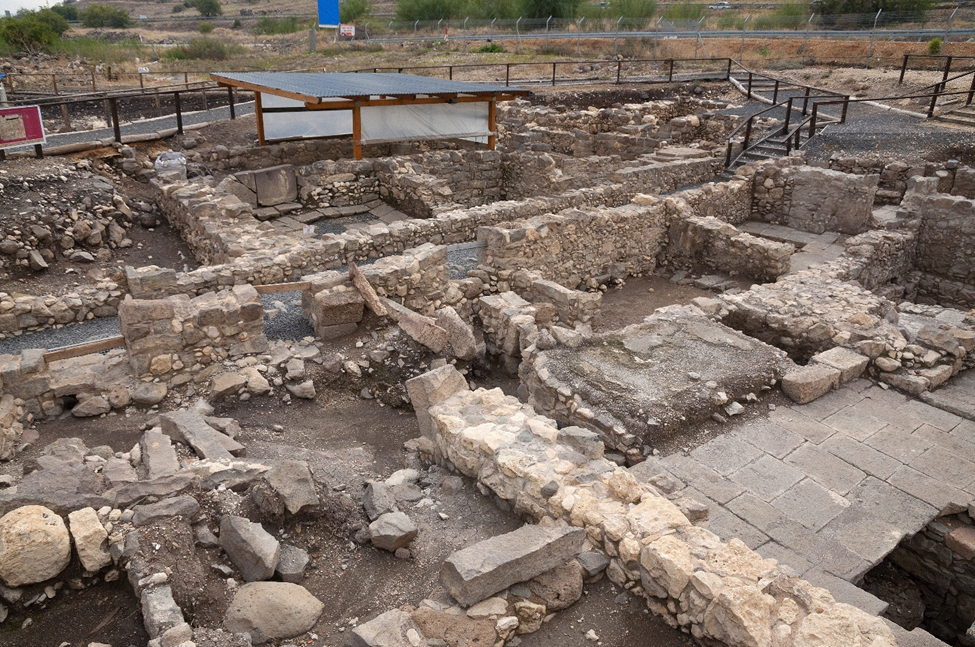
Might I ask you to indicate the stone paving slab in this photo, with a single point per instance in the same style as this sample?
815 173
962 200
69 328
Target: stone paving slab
810 504
825 468
726 454
770 438
767 477
845 592
956 397
861 456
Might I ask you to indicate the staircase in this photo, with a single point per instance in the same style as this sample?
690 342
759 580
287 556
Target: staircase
963 116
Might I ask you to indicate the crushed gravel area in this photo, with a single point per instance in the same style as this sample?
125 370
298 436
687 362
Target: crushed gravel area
284 318
70 335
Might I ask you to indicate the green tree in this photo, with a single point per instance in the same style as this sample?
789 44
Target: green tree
52 19
25 33
68 12
352 10
208 7
410 10
633 8
103 15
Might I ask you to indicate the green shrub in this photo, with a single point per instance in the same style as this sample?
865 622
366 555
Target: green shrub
208 7
791 15
54 20
411 10
205 49
103 15
205 27
633 8
66 11
267 25
27 33
684 11
178 8
934 47
353 10
542 9
236 23
502 9
491 48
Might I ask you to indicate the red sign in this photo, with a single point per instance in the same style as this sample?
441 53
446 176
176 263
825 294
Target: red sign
347 31
21 126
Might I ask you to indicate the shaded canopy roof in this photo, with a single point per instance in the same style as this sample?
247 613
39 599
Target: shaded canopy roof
315 88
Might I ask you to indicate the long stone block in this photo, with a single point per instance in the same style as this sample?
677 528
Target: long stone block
479 571
189 427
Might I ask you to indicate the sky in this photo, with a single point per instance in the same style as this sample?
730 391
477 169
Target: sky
14 5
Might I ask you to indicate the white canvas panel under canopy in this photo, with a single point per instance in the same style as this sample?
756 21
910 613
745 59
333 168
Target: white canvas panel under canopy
306 124
426 121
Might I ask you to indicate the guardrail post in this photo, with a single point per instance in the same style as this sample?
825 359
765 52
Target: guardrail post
900 81
230 98
944 79
179 114
775 92
115 125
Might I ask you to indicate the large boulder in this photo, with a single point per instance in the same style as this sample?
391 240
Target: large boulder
34 545
270 610
251 548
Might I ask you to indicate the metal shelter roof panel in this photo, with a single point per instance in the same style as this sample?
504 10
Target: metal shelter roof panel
332 85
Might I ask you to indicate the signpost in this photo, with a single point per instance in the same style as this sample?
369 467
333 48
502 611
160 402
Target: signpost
347 31
328 13
22 126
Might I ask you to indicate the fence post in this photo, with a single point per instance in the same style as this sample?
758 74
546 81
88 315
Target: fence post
93 88
805 41
805 101
944 79
870 50
414 29
749 85
186 79
579 32
727 75
944 41
518 34
546 31
788 116
619 70
115 124
812 120
741 56
616 41
465 32
670 74
846 107
179 114
230 97
507 74
64 115
775 92
389 35
748 134
900 81
553 74
54 80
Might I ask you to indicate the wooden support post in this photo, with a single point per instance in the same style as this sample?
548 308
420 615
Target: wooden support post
944 79
357 131
846 107
775 92
93 87
115 125
108 111
259 113
553 74
186 79
727 75
205 107
64 115
38 151
179 114
54 82
670 74
900 81
142 81
158 107
749 85
619 71
507 74
971 92
492 124
230 98
805 101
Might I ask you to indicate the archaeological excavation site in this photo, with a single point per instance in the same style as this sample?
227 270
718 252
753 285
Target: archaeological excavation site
558 366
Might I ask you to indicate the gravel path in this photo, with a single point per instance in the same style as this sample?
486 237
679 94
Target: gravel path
70 335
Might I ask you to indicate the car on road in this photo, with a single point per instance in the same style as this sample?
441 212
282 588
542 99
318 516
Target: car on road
720 5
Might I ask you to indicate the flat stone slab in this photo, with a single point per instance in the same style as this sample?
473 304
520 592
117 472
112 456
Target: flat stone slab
189 427
481 570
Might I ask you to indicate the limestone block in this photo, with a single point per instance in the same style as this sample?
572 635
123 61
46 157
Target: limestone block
274 185
808 383
481 570
272 610
34 545
849 363
431 389
251 548
90 539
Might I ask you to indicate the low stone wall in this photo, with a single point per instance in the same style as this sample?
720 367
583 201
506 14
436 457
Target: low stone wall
12 414
174 337
946 238
812 199
718 245
717 590
23 313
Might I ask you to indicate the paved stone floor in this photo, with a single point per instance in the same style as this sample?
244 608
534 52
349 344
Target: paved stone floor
810 248
830 488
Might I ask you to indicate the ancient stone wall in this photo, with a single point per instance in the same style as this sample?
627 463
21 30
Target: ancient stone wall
178 336
717 590
23 313
941 562
812 199
718 245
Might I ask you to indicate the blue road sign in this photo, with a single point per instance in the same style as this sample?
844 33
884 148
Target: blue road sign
328 13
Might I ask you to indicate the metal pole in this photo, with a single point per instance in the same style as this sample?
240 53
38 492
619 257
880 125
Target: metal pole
741 56
179 114
619 71
579 32
944 41
553 74
870 51
115 125
546 31
414 29
616 41
699 22
518 34
900 81
491 31
389 34
465 32
805 42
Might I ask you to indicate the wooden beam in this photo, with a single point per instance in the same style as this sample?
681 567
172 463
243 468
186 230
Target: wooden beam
493 124
261 88
348 105
259 112
85 349
276 288
357 131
